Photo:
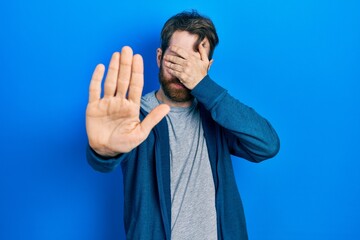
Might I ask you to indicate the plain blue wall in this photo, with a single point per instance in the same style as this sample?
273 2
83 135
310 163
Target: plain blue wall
296 62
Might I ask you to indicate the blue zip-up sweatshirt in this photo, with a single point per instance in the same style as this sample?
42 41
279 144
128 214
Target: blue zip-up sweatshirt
230 128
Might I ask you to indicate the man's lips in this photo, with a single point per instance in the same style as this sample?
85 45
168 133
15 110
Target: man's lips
178 84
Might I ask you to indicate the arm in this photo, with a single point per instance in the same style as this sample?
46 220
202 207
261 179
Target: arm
249 135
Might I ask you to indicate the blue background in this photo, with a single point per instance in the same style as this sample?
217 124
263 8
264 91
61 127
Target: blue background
295 62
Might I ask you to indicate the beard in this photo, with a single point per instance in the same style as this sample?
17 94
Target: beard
175 94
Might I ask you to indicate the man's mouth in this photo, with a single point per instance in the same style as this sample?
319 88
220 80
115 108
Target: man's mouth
178 84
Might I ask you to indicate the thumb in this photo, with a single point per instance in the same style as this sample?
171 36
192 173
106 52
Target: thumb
154 117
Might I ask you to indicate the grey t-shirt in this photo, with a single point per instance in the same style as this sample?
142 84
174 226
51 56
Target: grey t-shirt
193 213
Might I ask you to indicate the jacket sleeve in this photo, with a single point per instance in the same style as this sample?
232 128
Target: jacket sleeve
103 164
248 134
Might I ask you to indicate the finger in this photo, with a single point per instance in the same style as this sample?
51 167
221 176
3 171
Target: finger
124 71
174 59
203 52
179 51
178 74
112 75
153 118
173 66
95 83
137 79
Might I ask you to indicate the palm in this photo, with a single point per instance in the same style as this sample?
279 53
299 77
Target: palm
112 122
118 129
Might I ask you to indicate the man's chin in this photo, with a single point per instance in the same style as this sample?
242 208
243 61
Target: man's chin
178 94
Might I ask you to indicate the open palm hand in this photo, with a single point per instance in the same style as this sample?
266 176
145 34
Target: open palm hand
112 123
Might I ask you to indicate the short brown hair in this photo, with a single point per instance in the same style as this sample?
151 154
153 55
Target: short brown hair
193 23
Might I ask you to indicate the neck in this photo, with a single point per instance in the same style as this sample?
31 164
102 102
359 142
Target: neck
160 95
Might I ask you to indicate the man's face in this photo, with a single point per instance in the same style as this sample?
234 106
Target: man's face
171 85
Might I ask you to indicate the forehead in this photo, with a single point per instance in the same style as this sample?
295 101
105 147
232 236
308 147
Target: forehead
184 39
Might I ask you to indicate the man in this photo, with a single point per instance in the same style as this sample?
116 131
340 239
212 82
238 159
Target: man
174 144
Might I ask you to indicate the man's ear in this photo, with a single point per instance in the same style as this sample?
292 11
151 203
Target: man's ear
158 56
210 63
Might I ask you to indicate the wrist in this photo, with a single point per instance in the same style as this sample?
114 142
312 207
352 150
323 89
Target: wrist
103 151
193 84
